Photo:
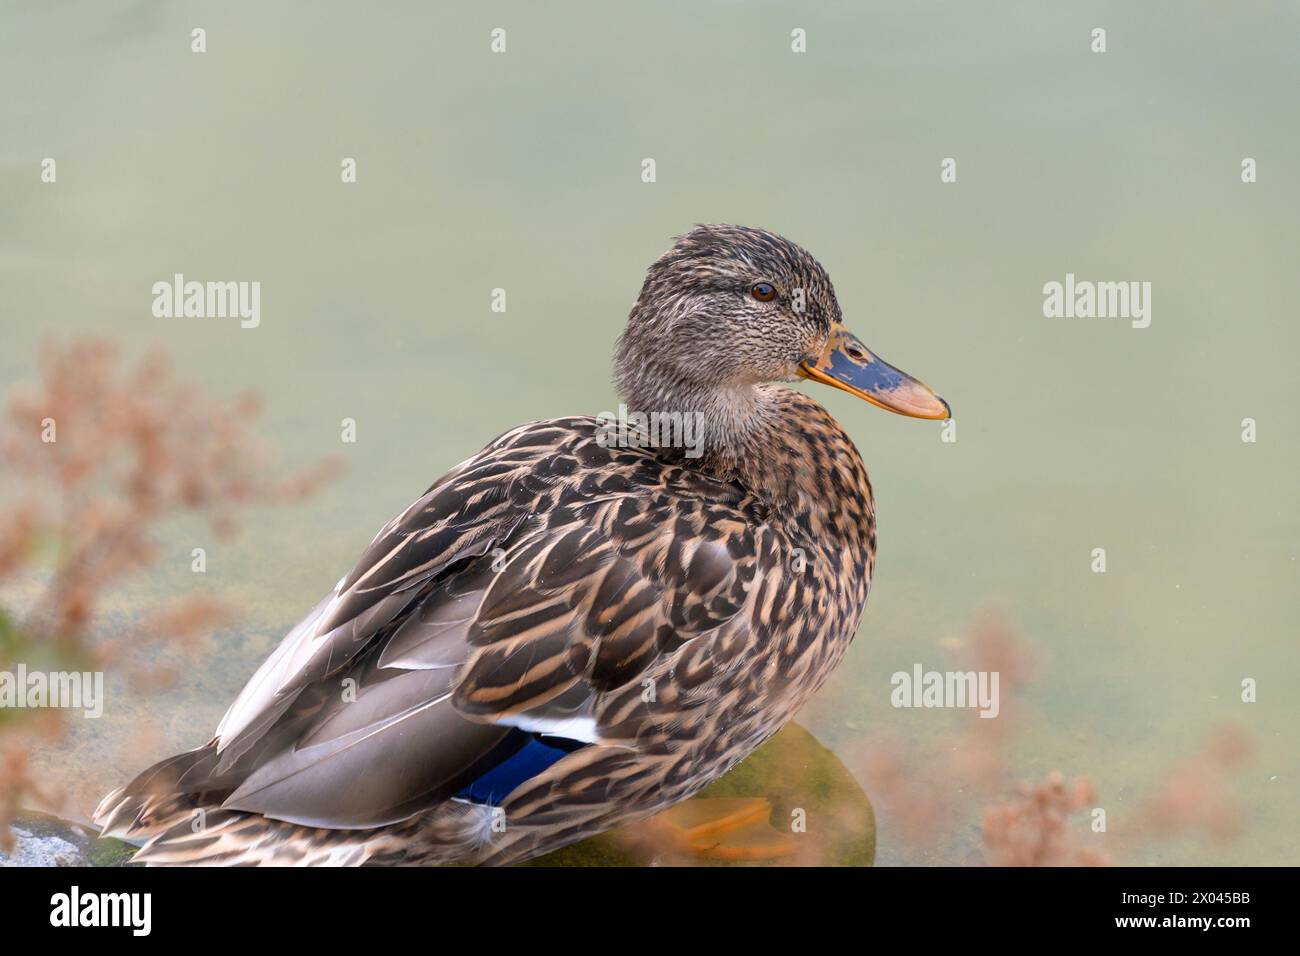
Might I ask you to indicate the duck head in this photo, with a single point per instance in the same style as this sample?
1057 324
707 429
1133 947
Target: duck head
729 307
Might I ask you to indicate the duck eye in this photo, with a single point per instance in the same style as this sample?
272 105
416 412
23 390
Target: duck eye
764 292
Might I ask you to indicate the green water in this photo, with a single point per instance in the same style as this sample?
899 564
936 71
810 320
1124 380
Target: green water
522 171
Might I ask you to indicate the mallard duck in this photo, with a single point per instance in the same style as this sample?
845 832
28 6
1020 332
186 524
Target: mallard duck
579 626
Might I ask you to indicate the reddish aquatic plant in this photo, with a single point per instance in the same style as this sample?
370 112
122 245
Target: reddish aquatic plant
1033 827
93 456
921 796
1196 793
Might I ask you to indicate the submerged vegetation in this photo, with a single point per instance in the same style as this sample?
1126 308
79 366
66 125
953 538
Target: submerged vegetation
94 457
791 802
924 797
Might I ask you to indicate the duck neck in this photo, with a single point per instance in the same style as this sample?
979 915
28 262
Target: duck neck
778 443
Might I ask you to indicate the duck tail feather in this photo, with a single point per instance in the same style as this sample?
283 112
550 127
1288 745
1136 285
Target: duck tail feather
158 798
231 838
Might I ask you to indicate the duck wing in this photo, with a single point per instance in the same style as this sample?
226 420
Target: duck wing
494 612
464 514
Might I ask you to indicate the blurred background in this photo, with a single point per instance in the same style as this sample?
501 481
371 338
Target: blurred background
522 171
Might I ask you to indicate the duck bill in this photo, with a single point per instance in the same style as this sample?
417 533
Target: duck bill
850 366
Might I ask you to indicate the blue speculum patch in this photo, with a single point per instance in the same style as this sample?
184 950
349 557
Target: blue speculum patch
525 763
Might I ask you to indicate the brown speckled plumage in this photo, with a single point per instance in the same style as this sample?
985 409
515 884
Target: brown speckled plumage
657 615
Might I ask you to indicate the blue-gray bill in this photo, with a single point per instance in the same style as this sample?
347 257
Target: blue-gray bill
849 365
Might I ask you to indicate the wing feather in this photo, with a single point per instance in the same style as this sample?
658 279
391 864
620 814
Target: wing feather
517 594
